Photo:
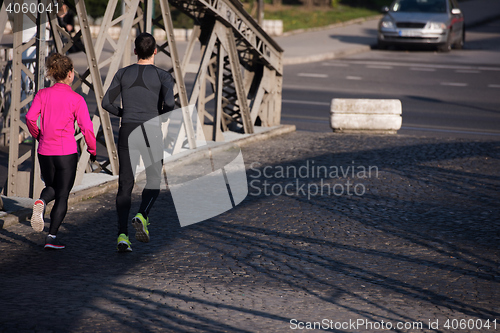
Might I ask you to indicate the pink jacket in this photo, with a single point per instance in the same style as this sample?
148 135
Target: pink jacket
58 107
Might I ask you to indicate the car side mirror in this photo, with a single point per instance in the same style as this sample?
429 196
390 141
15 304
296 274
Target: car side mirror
456 11
385 9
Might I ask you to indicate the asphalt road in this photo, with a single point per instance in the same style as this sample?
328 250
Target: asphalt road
447 94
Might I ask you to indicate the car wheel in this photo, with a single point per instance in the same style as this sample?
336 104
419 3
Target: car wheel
460 43
446 47
381 45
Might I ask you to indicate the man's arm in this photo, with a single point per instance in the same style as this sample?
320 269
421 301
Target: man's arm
167 92
110 101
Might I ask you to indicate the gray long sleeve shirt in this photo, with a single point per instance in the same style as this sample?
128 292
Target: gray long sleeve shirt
145 92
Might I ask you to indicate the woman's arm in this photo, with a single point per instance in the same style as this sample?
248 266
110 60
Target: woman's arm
32 116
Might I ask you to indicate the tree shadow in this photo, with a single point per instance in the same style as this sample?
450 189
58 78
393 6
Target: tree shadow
366 40
481 44
419 234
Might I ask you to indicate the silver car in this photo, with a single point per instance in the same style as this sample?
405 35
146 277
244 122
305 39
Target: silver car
433 22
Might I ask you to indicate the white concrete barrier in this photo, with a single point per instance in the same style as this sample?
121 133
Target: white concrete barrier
180 35
273 27
366 115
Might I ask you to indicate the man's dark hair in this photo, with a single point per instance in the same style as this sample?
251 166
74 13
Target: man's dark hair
145 45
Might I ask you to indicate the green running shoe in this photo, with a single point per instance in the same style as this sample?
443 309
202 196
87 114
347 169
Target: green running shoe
123 244
141 228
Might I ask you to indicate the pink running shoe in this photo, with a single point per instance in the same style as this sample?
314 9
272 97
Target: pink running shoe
37 222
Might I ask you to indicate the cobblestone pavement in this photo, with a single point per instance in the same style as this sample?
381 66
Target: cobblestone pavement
416 242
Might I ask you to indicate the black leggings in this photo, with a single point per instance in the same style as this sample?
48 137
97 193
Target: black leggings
58 173
127 176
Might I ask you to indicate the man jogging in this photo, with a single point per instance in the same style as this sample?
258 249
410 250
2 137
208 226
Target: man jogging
145 91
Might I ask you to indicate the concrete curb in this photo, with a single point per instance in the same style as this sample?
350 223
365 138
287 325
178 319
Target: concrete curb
361 48
334 54
327 56
22 215
282 129
331 26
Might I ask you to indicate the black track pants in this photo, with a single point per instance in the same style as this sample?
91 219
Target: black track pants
126 180
58 173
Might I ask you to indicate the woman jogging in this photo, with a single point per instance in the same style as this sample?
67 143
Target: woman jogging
58 107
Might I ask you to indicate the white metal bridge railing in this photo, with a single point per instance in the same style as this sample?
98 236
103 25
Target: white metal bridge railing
237 86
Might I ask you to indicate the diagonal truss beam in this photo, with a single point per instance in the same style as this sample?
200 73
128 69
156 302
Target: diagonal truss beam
240 72
187 129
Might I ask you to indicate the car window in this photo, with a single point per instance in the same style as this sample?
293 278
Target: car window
452 4
419 6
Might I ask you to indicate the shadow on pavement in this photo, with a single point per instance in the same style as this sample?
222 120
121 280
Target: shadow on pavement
356 39
461 104
421 242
